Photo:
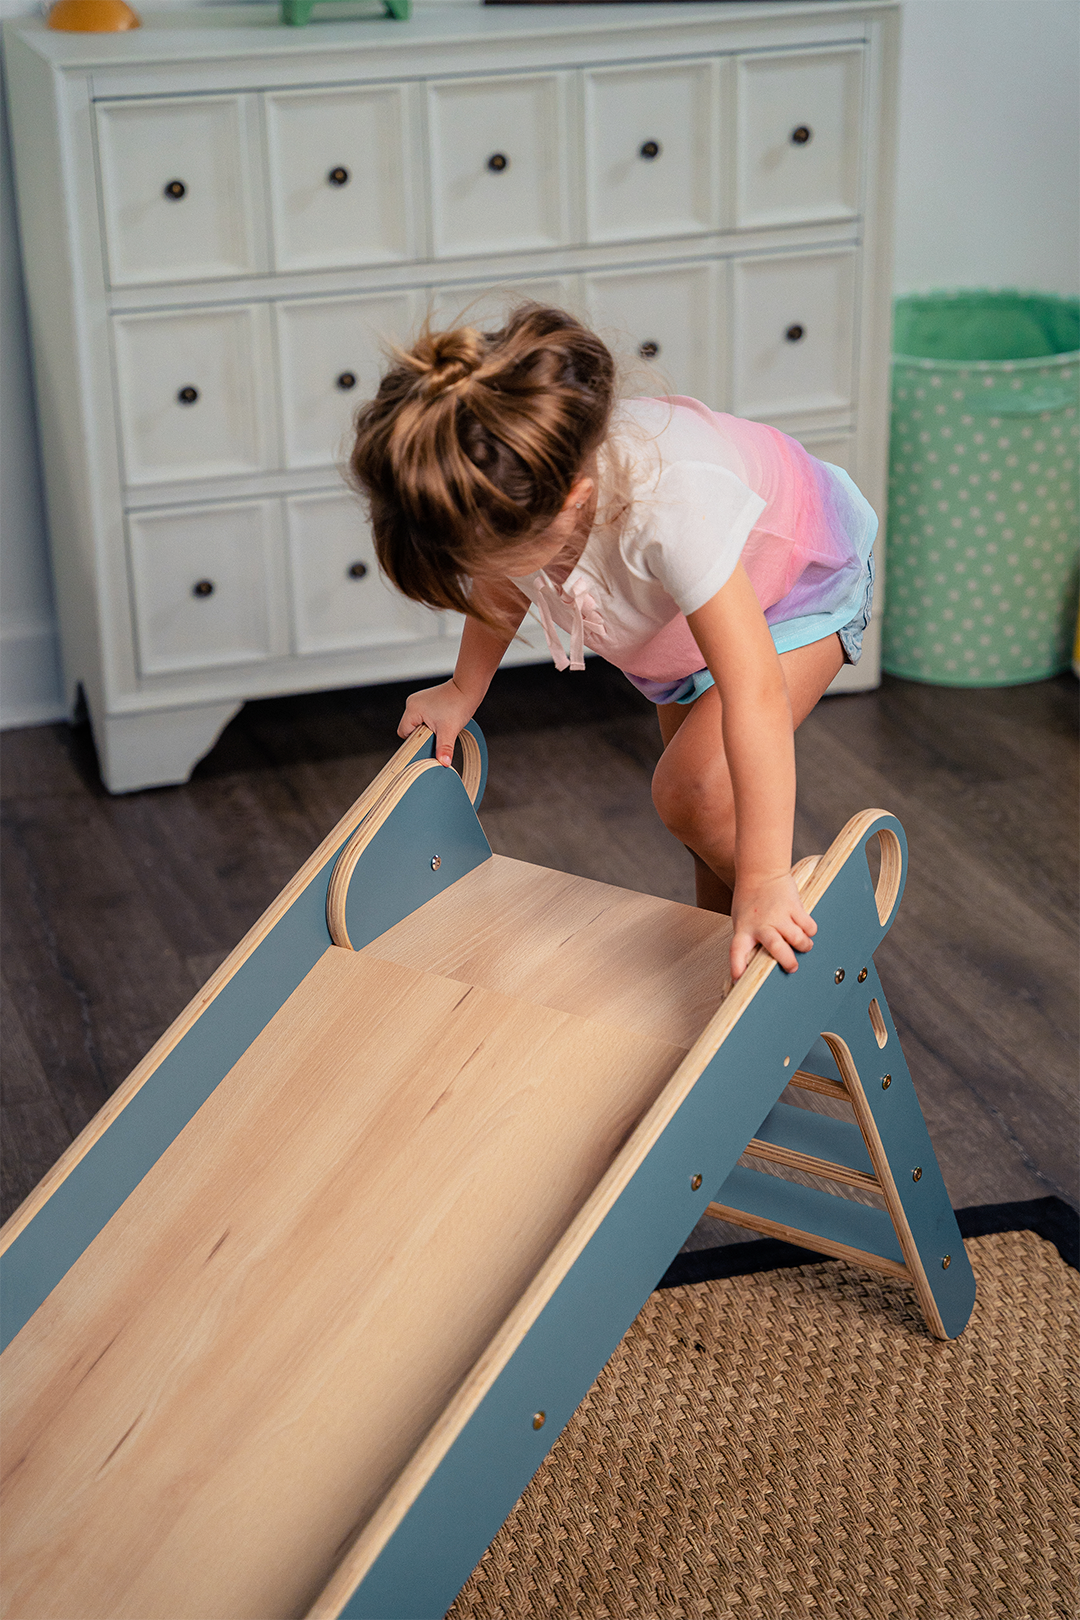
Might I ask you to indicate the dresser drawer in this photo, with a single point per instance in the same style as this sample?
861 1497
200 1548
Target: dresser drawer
340 173
207 586
497 154
176 188
340 600
799 137
195 393
651 151
331 357
664 323
793 334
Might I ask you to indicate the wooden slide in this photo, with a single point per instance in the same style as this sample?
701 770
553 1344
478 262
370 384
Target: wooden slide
293 1322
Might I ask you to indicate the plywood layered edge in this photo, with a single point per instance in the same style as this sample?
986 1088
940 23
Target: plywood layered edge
26 1278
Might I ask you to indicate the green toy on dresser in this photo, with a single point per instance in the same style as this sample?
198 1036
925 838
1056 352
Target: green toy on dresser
298 12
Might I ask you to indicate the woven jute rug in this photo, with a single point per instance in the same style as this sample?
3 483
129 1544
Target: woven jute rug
794 1443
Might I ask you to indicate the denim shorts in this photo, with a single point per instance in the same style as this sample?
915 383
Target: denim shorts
852 633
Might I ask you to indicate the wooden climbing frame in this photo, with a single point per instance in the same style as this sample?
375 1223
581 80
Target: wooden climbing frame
294 1321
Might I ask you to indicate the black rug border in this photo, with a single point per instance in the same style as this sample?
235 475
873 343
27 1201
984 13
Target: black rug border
1050 1218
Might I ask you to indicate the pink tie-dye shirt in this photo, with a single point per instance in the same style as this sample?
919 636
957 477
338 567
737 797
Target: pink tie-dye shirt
704 491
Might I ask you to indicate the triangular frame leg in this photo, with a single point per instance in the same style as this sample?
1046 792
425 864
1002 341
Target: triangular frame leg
916 1237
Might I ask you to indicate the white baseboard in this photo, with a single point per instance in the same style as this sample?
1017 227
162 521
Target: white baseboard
31 693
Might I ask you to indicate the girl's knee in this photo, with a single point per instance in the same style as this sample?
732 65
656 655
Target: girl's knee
696 806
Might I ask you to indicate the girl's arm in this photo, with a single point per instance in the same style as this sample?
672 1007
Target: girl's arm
447 708
759 743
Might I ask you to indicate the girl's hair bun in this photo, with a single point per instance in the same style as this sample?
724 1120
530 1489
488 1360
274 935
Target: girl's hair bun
472 444
443 361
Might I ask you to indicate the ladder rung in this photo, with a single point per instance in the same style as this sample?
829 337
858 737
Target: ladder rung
811 1218
806 1240
817 1144
811 1166
817 1082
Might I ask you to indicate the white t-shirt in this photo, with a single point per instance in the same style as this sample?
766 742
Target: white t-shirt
685 493
686 518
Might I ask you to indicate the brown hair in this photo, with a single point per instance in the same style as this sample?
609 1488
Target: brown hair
473 442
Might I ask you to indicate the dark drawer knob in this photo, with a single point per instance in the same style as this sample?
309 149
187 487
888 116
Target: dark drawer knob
188 395
649 149
649 350
801 135
497 162
175 190
338 176
796 333
203 587
357 570
346 381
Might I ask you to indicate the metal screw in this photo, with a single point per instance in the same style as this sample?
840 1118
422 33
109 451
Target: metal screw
886 1081
436 862
838 976
916 1174
946 1262
539 1419
862 975
695 1183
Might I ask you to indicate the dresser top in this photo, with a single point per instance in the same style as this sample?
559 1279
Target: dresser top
221 31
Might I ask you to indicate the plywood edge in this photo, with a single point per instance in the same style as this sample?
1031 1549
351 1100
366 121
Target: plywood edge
815 875
879 1158
129 1088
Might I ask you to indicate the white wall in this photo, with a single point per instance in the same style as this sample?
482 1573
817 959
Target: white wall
988 184
988 196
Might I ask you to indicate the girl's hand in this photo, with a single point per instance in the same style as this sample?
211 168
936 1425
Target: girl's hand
444 708
769 912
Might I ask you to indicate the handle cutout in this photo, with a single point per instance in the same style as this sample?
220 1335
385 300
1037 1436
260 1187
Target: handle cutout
881 1034
888 858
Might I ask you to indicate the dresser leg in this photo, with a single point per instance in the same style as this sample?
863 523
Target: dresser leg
158 748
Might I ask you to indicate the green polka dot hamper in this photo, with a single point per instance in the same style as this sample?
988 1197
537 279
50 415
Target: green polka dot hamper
983 528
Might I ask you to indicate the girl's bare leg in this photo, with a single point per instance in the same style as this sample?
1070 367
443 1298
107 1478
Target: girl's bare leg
692 784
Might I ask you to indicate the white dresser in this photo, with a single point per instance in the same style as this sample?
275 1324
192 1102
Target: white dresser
222 217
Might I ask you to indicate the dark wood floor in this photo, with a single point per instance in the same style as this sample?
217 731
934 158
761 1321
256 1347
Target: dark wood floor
116 910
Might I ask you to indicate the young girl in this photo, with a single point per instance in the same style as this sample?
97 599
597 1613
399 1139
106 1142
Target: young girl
724 570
